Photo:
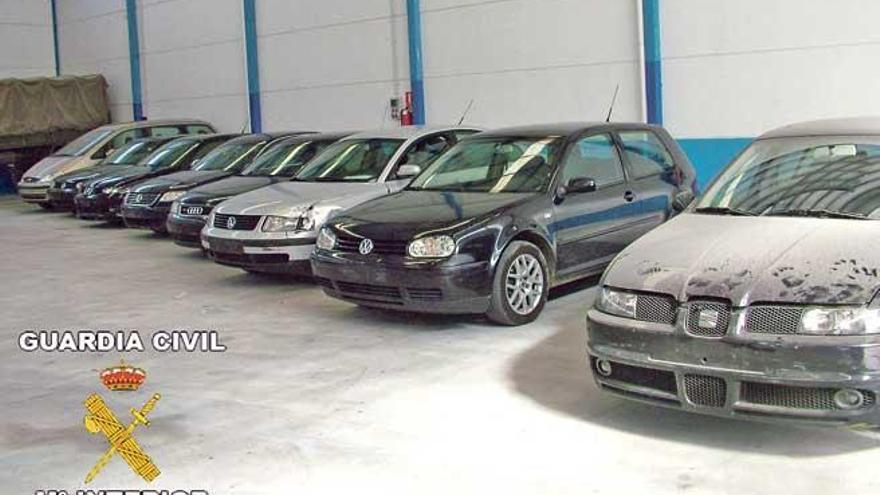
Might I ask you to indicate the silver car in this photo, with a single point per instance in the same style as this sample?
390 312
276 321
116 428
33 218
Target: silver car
94 146
273 229
761 299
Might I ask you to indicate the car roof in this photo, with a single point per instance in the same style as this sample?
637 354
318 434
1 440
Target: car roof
561 129
408 132
153 123
856 126
316 136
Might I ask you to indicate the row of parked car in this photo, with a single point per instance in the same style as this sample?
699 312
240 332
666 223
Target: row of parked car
759 299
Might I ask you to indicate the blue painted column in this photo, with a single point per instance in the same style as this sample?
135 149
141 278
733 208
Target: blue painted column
134 60
253 65
54 11
653 61
416 80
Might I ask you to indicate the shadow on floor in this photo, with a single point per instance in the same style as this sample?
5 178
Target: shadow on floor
241 278
554 374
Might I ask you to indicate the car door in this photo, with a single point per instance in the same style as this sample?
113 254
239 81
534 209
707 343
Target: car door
652 175
590 227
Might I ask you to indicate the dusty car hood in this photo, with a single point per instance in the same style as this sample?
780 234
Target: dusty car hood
224 188
408 213
51 165
179 180
754 259
290 198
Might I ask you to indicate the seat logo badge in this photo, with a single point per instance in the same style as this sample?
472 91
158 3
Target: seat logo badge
708 318
230 224
366 246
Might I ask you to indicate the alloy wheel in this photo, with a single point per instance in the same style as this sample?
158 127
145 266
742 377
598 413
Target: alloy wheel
524 284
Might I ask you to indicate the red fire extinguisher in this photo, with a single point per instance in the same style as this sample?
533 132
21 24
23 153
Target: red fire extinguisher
406 115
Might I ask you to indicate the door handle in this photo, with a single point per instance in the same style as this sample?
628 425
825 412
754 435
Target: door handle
629 196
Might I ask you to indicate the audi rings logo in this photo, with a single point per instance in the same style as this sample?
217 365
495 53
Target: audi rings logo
366 246
230 223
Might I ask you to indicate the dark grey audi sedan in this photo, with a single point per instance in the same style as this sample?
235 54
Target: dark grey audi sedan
761 299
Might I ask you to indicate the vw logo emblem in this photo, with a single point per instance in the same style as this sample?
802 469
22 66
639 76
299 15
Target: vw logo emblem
139 198
366 246
230 223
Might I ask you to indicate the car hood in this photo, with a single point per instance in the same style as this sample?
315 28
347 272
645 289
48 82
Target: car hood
291 198
408 213
120 174
51 166
179 180
87 173
754 259
227 187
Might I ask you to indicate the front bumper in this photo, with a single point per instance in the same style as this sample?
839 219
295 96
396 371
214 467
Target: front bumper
151 217
97 207
62 198
282 255
395 282
33 192
792 379
185 230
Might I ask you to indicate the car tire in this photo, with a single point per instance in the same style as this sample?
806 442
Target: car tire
514 303
159 231
47 206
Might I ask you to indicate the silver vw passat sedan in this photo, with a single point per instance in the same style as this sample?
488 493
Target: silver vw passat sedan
761 299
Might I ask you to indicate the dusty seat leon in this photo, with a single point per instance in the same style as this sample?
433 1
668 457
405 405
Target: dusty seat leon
761 299
503 216
273 229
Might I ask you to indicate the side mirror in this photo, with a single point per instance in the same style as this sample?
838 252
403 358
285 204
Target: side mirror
682 200
407 171
581 185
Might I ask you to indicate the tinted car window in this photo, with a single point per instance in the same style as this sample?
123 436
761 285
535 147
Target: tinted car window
284 159
167 155
229 157
82 144
164 131
132 153
594 157
493 165
426 150
198 129
356 160
645 153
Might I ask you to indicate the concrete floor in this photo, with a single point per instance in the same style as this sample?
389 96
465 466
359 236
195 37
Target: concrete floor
317 396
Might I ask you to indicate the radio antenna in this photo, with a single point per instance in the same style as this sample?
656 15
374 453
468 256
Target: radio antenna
466 110
613 101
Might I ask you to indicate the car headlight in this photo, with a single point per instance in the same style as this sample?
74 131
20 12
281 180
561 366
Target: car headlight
175 208
617 302
280 224
80 186
840 321
326 239
171 196
438 246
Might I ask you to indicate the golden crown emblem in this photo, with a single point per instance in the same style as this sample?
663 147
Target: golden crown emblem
123 377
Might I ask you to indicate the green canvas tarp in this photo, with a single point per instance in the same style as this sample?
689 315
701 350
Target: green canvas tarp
45 111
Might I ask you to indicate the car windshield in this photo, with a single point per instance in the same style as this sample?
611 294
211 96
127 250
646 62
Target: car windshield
492 165
353 160
167 155
283 159
826 177
132 153
82 144
230 157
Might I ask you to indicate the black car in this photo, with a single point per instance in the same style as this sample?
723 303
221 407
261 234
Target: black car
503 216
64 187
280 163
100 197
147 204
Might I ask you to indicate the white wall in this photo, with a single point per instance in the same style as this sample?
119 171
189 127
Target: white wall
93 39
738 68
529 61
192 61
26 45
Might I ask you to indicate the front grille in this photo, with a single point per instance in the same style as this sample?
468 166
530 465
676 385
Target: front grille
774 319
194 210
708 318
369 290
351 244
236 222
250 259
655 308
419 294
809 398
642 377
706 391
141 198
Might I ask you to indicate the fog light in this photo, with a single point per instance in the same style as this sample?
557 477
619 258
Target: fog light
603 367
849 399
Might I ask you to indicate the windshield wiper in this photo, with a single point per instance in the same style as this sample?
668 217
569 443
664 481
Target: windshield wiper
817 213
724 210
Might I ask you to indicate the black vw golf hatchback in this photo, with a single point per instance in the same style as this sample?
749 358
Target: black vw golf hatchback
502 217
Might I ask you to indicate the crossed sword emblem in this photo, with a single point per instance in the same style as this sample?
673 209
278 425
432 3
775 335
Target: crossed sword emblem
101 419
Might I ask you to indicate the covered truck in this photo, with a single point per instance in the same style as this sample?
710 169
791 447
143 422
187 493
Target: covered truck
39 115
